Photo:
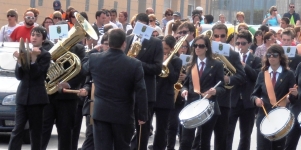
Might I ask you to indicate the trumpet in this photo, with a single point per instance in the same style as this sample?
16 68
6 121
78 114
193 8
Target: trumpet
165 70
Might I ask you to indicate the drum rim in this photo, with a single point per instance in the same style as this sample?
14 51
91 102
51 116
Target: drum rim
281 127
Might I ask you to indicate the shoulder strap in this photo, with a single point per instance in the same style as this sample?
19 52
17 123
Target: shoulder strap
195 79
269 87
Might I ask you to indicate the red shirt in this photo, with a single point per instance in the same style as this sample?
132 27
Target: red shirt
21 31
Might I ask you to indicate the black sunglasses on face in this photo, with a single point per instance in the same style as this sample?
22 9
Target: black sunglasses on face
199 45
292 6
10 16
242 43
217 36
183 32
269 55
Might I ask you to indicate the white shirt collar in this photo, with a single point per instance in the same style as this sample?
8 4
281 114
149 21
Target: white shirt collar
279 70
190 43
199 60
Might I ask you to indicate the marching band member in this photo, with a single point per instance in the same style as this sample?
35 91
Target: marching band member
151 56
116 80
221 127
173 121
165 93
274 73
203 73
31 94
241 106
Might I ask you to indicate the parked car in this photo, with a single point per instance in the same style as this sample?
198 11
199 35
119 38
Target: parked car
8 89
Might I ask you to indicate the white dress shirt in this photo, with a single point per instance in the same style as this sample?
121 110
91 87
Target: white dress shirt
242 56
200 64
279 70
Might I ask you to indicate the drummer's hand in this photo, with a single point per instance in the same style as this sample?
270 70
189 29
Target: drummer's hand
211 91
82 92
258 102
141 122
294 90
184 94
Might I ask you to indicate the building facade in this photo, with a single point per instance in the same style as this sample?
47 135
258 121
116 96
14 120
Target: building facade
91 6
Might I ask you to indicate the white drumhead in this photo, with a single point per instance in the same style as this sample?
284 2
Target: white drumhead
193 109
276 120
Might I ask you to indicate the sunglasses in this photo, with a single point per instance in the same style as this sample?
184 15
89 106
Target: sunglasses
269 55
168 14
242 43
199 45
10 16
217 36
151 20
183 32
292 6
57 18
29 18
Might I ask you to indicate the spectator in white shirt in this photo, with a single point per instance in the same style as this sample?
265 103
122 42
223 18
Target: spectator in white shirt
113 18
6 30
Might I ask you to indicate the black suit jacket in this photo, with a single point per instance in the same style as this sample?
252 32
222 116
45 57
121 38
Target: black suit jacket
212 74
31 89
116 78
252 68
285 81
151 56
295 106
293 62
237 79
76 82
165 86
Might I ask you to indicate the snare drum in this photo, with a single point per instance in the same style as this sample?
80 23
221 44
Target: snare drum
196 113
278 124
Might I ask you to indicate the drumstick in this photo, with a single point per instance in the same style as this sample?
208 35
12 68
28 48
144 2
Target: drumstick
213 87
139 137
265 112
284 97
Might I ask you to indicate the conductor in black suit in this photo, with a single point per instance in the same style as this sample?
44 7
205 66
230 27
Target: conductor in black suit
241 106
119 83
221 127
151 57
31 94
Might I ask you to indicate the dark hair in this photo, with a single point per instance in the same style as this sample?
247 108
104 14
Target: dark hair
245 35
125 14
196 12
160 37
43 24
220 26
255 35
107 27
142 17
71 14
104 38
286 20
189 26
208 51
170 41
84 14
267 36
264 28
40 29
230 37
113 11
288 32
99 12
116 38
275 48
168 11
209 18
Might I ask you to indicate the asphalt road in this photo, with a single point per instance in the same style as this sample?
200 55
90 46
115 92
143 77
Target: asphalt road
4 139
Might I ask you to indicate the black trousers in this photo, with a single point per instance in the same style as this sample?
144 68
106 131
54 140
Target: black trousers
109 136
221 129
189 134
89 141
63 112
262 142
34 115
293 136
145 130
173 127
162 116
77 127
246 124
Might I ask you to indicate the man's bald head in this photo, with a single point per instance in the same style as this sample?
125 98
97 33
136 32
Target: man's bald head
149 11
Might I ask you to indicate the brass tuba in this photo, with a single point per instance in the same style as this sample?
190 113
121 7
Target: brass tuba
24 53
165 70
135 48
58 72
208 33
229 69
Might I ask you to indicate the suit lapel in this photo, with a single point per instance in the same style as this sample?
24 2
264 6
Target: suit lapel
281 77
250 59
144 48
209 66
